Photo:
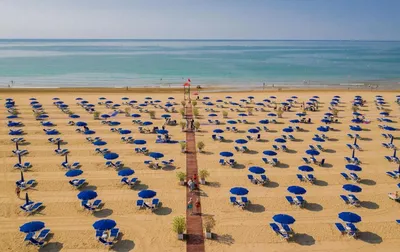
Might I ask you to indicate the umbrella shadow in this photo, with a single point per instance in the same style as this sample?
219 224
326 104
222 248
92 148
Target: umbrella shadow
272 131
272 184
227 141
241 131
314 207
123 245
366 139
24 143
213 184
251 152
369 205
298 140
369 182
103 213
140 187
263 141
239 166
303 239
282 165
207 153
333 139
366 130
226 239
305 130
88 187
326 165
320 182
52 246
255 208
169 168
370 237
329 151
291 151
163 211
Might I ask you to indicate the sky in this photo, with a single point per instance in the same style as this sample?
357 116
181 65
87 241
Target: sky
201 19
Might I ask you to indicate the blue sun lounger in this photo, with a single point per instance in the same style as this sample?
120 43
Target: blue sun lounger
265 160
23 166
222 162
276 229
345 176
251 178
140 203
284 148
33 208
114 233
345 199
341 228
105 243
355 177
290 200
77 183
311 178
43 234
25 185
264 179
305 160
287 228
300 177
275 147
391 174
237 149
300 201
398 221
36 242
349 146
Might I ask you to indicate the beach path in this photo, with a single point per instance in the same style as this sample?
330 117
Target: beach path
195 239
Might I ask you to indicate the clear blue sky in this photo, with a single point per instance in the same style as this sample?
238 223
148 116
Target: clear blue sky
207 19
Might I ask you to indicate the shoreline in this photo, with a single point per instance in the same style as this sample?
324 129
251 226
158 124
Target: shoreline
204 89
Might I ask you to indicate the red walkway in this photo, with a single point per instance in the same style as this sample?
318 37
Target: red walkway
195 237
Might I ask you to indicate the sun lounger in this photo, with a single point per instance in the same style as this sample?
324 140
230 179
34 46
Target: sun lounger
274 162
61 152
245 149
245 201
43 234
214 137
305 160
356 146
275 147
275 228
36 242
264 179
265 129
139 203
311 147
345 176
155 204
348 159
355 177
300 177
251 178
345 199
114 233
320 147
284 148
349 146
237 148
322 162
291 137
231 162
300 201
20 152
233 201
385 135
341 228
287 228
311 178
290 200
388 158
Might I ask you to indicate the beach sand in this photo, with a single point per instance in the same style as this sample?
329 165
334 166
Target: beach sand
236 229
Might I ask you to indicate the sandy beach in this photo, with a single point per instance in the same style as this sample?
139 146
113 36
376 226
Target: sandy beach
235 229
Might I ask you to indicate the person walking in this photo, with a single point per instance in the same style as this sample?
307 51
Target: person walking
190 206
198 205
18 191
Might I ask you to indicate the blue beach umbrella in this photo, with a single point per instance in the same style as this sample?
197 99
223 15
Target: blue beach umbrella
111 156
218 131
139 142
136 115
171 98
260 104
295 121
114 123
32 226
280 140
301 114
287 130
242 115
253 131
264 121
105 224
228 97
269 153
102 98
305 168
355 128
81 124
125 132
231 122
240 191
124 98
257 170
99 143
165 116
73 173
89 132
168 105
105 116
241 141
349 217
212 115
388 128
296 190
325 120
328 114
126 172
352 188
226 154
132 101
266 100
147 123
353 167
312 152
283 219
156 155
285 103
384 113
147 194
74 116
271 114
87 195
272 97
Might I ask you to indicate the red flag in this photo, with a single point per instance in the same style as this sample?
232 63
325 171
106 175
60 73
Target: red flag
189 80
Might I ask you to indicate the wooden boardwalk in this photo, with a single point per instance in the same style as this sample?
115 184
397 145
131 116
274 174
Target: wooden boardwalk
195 236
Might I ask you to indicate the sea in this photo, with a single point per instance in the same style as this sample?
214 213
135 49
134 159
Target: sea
166 63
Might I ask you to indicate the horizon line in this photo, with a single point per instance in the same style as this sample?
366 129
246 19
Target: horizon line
199 39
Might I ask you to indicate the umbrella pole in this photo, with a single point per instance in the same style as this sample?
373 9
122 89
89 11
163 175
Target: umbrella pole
66 158
19 159
16 145
391 140
354 151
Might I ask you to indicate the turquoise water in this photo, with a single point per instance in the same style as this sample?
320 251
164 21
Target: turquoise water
44 63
